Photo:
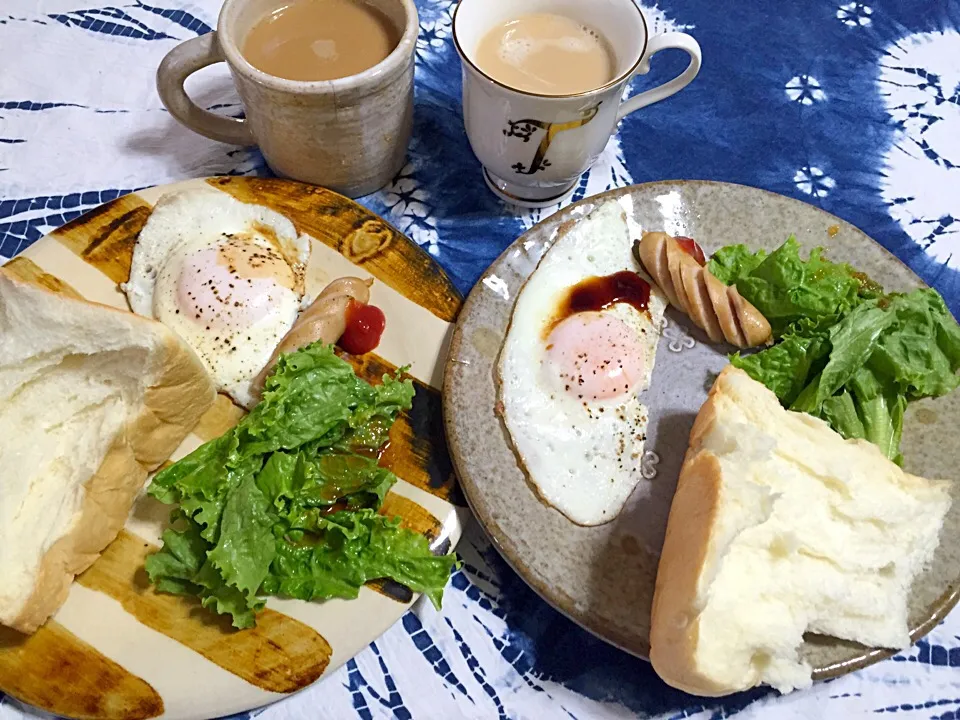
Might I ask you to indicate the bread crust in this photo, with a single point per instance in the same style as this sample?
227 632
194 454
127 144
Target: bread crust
180 393
675 623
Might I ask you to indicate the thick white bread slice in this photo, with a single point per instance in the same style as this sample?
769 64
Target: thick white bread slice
91 399
779 526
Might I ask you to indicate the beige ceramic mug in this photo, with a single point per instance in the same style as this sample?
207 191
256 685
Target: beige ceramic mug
348 134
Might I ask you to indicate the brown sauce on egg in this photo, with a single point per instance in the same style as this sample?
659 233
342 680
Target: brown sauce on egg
600 292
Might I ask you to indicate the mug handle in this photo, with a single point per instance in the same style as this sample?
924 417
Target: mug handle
181 62
681 41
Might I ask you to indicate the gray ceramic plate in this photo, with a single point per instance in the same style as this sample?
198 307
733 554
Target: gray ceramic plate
603 577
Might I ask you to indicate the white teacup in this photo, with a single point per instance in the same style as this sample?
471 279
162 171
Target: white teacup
535 147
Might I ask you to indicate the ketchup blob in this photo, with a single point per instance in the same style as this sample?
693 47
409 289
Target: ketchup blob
690 247
365 325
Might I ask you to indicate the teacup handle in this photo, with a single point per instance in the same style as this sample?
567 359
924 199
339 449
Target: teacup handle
179 64
681 41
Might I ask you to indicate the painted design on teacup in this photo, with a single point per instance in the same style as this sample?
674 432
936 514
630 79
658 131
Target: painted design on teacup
528 127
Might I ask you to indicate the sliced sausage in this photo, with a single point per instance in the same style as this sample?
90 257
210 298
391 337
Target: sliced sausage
325 320
720 311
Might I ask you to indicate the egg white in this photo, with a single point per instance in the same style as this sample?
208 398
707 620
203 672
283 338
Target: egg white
583 457
186 222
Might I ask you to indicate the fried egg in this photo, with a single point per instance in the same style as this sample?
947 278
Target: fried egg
226 276
581 345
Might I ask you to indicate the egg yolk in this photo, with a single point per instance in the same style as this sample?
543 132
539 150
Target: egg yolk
595 356
232 284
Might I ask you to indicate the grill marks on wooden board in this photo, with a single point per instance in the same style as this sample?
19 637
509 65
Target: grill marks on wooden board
24 268
358 235
105 236
279 655
88 684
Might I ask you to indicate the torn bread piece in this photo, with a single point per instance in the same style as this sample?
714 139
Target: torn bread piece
91 399
779 527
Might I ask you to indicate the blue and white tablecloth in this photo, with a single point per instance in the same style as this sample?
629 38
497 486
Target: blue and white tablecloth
852 106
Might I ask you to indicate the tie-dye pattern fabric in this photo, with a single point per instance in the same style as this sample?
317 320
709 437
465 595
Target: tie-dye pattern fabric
852 106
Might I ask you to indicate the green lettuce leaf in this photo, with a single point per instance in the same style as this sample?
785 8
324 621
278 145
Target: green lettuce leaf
786 289
852 341
225 599
246 545
336 476
184 552
841 412
866 409
357 547
922 354
286 502
311 397
786 368
323 480
848 353
883 423
734 262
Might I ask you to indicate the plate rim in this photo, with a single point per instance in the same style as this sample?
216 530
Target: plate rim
505 546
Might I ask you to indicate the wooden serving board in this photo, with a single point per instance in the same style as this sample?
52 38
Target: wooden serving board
118 650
